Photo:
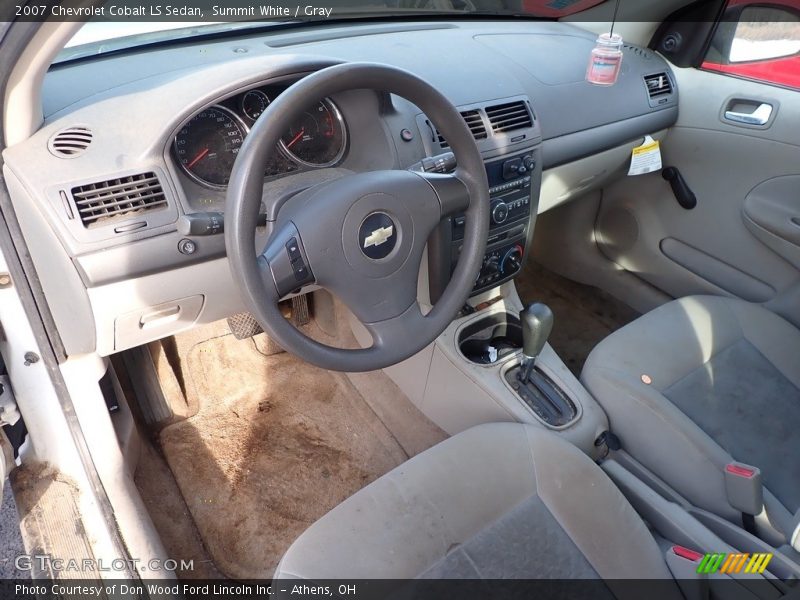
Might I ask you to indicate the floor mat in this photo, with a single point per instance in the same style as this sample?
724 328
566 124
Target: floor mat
171 517
276 444
584 315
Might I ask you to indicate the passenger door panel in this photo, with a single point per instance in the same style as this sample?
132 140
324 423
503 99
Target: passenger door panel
742 238
772 213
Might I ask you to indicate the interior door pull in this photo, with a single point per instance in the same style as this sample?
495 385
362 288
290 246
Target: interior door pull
760 116
683 193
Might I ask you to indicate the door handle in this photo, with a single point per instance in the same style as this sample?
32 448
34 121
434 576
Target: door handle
683 193
760 116
160 317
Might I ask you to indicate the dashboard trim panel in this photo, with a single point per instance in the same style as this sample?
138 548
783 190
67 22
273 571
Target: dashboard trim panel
144 267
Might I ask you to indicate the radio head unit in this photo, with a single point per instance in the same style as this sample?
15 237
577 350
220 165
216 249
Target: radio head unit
514 184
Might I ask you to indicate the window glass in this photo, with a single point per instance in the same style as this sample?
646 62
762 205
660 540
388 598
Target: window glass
763 33
758 41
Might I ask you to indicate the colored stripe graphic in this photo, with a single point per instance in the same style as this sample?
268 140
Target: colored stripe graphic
734 563
758 563
711 563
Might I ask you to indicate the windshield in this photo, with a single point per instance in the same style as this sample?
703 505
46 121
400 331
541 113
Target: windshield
115 26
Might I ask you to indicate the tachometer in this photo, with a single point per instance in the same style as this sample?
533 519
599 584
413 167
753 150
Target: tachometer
207 145
318 137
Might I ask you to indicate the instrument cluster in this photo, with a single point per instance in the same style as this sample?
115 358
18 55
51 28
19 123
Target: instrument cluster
207 145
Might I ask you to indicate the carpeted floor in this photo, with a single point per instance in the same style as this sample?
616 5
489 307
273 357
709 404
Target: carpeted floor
584 315
275 444
171 517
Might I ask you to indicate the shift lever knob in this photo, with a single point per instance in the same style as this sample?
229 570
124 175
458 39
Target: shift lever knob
537 323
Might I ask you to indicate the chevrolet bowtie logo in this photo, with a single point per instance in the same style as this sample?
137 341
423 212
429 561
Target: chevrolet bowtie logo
379 236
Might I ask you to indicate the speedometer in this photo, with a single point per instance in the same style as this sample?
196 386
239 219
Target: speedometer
318 137
207 145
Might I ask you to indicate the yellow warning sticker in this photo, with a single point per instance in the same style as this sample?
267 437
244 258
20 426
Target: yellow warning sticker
646 158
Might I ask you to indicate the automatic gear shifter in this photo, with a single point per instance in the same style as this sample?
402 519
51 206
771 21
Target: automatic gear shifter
534 387
537 323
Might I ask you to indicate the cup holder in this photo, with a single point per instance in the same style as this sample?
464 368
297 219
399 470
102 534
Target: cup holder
490 339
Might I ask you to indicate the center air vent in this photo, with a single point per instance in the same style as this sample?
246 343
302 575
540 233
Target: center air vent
509 117
118 198
658 85
70 142
474 122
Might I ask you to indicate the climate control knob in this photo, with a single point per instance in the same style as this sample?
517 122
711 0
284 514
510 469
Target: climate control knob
512 261
499 212
491 265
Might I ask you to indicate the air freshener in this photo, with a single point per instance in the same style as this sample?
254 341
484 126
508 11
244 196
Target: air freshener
605 61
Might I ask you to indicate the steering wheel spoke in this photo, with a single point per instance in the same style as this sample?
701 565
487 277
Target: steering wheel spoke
451 191
409 323
284 263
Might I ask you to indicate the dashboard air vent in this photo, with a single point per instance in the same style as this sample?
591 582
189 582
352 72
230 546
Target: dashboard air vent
70 142
509 117
474 122
116 198
658 85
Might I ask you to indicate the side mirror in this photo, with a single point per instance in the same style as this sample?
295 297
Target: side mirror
765 33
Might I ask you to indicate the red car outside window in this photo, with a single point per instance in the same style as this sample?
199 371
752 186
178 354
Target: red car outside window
783 69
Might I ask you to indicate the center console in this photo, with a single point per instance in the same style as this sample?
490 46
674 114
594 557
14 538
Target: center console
471 375
493 362
514 183
497 335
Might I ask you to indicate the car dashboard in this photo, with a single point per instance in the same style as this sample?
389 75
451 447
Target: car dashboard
136 146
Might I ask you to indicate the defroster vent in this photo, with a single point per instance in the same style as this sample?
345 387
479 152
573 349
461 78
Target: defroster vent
118 198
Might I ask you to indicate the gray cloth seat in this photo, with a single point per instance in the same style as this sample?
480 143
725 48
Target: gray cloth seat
724 385
500 500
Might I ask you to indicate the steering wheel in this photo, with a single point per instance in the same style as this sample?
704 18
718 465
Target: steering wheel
360 236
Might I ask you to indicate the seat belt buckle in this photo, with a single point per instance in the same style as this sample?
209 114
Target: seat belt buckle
744 489
684 564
